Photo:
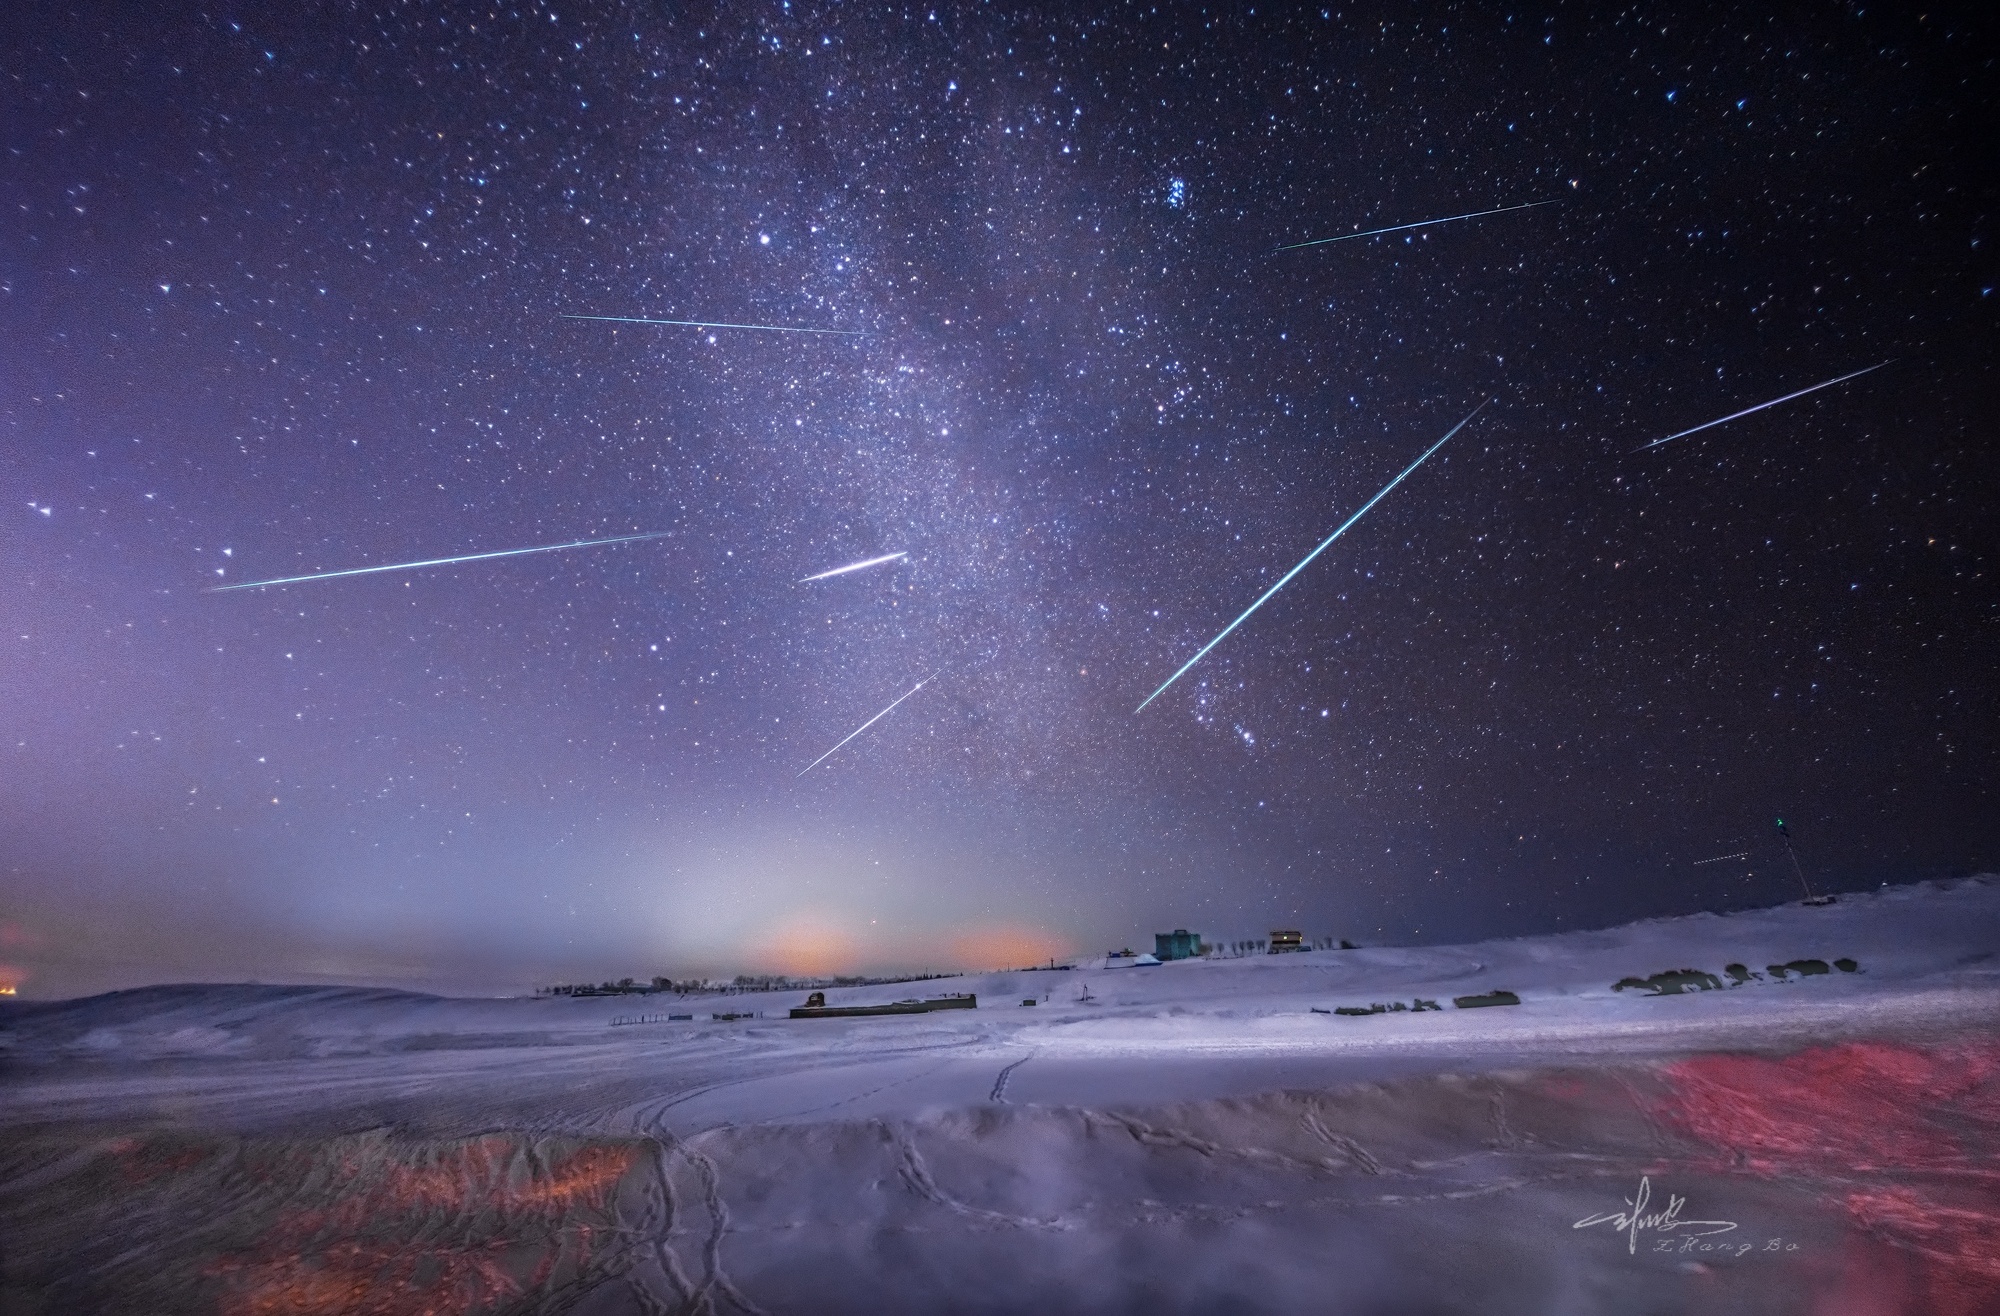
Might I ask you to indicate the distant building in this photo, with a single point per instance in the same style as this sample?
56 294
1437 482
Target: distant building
1284 939
1180 944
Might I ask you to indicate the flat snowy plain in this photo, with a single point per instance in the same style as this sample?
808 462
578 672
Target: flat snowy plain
1193 1137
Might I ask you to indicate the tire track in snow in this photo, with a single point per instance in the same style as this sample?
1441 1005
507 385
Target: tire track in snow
658 1225
715 1280
1153 1135
999 1092
916 1173
1355 1153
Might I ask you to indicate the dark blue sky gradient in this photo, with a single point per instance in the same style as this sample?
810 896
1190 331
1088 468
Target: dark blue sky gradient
282 293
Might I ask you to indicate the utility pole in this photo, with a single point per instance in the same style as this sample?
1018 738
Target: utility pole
1810 899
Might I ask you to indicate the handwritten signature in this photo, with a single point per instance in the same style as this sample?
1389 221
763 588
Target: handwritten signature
1638 1219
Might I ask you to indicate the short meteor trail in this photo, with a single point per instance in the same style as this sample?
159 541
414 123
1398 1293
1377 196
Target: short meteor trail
865 725
437 562
854 566
1736 415
1422 223
1266 595
717 324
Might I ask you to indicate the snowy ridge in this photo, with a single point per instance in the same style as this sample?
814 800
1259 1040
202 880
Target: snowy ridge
1197 1121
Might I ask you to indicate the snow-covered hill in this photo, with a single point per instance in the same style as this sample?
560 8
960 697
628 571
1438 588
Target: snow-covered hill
1196 1136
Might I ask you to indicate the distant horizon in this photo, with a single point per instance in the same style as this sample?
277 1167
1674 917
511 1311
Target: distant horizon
719 978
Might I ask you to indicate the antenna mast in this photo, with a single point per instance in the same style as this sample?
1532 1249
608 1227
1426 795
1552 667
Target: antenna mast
1811 899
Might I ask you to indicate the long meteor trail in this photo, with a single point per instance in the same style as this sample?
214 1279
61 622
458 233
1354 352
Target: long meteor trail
1422 223
865 725
1737 415
717 324
855 566
1266 595
437 562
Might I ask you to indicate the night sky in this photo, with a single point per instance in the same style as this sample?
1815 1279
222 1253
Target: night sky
281 292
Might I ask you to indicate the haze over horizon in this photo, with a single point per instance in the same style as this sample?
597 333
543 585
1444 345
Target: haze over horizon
283 295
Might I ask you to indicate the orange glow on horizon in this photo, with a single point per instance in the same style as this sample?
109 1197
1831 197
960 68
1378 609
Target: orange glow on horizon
810 948
1006 948
807 946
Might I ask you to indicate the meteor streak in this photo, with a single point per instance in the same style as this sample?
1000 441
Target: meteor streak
854 566
865 725
1266 595
436 562
717 324
1734 415
1422 223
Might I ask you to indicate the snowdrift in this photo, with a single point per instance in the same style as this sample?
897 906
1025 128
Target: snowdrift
1191 1138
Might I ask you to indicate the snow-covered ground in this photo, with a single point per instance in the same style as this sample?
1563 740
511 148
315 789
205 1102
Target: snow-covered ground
1190 1137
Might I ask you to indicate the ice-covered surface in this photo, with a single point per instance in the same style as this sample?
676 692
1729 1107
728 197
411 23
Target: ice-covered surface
1187 1137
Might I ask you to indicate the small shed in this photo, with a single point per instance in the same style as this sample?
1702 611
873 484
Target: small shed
1284 939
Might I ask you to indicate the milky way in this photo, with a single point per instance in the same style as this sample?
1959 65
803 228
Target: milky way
287 294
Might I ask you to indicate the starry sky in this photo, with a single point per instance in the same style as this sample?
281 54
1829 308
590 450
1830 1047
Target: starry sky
282 291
